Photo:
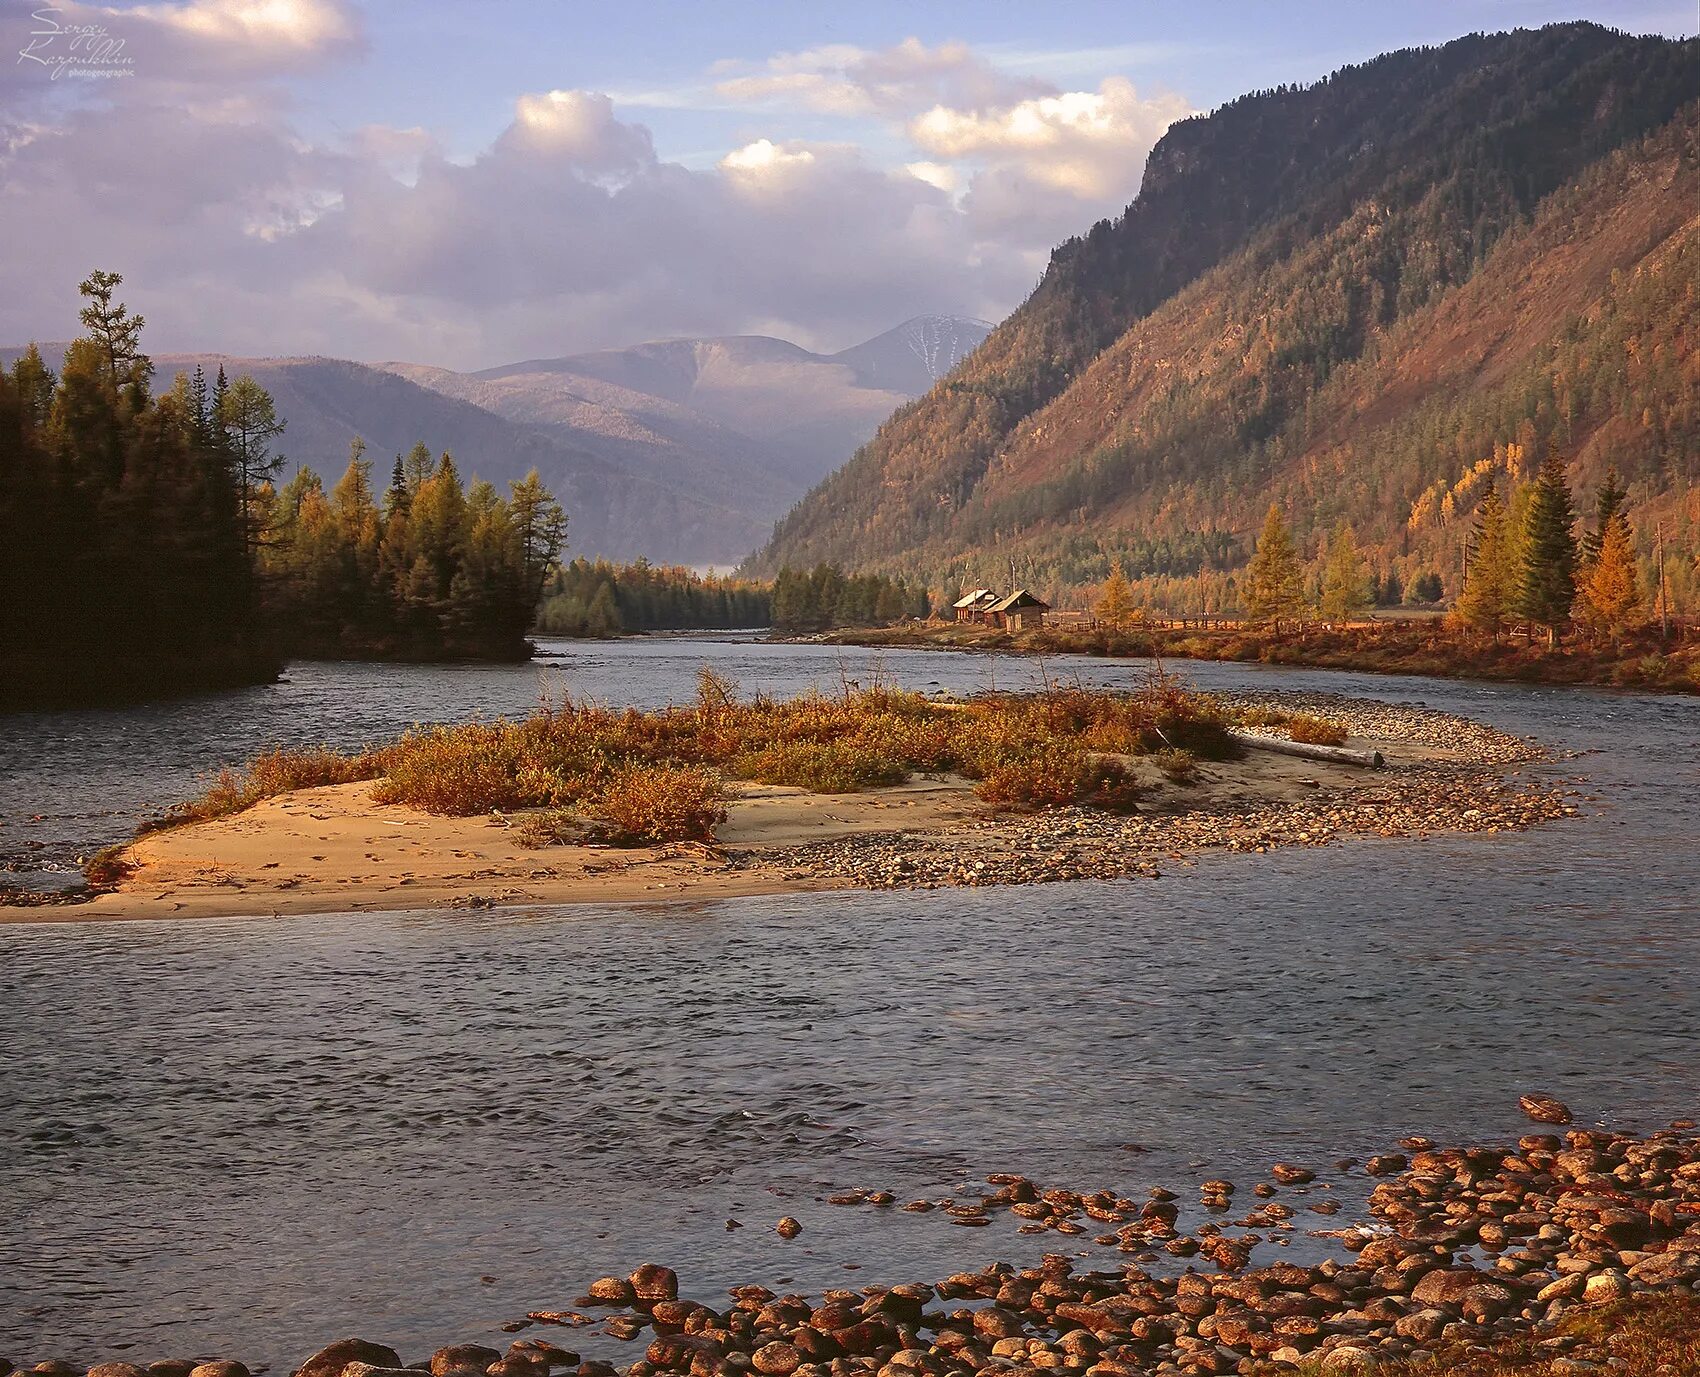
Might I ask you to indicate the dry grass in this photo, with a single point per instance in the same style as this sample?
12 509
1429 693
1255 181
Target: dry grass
658 776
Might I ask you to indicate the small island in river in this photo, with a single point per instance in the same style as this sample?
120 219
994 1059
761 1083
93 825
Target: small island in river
873 788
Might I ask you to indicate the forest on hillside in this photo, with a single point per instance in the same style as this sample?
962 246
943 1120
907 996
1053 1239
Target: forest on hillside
1352 299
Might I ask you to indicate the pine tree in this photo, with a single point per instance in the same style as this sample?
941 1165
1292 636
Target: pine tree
1274 580
1549 551
1115 601
1611 589
1345 581
1490 584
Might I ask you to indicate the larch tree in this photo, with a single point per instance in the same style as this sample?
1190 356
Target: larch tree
1611 588
1345 579
1274 581
1548 584
249 418
1115 601
541 525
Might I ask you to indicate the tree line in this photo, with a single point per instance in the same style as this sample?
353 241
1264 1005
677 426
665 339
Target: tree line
826 597
145 547
1527 564
434 569
126 536
600 598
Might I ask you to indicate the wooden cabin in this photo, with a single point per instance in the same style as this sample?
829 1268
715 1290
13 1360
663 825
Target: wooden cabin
1020 611
972 607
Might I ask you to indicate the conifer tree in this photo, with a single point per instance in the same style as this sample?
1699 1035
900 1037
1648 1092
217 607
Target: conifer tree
1274 580
1609 498
1548 584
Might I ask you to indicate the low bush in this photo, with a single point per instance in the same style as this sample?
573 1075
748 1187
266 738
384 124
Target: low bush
1315 731
1181 767
1055 778
463 770
661 803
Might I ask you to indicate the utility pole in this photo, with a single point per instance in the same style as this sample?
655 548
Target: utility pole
1664 591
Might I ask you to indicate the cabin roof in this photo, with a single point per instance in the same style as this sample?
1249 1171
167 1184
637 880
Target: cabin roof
979 595
1018 600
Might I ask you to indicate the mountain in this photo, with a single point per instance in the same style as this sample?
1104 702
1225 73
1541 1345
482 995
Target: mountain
1356 299
682 451
745 412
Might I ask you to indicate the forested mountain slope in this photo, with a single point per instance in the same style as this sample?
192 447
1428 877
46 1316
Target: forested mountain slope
1339 297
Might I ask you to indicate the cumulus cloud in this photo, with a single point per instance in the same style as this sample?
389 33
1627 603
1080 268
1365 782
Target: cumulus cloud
568 230
898 80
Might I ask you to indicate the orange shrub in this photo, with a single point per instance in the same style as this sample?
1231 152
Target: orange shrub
1315 731
660 803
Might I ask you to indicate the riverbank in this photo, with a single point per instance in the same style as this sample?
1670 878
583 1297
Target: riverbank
339 848
1641 661
1561 1254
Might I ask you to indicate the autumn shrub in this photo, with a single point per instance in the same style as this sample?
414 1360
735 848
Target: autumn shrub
1184 721
645 804
1315 731
1180 767
462 770
1055 778
823 767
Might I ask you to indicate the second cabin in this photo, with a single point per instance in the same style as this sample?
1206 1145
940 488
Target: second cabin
1020 611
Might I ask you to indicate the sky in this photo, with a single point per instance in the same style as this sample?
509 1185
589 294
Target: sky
481 181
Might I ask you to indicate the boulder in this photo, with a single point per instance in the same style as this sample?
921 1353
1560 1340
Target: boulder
225 1368
611 1291
653 1282
1543 1109
460 1360
778 1359
788 1227
330 1360
1423 1326
1447 1285
1605 1286
115 1370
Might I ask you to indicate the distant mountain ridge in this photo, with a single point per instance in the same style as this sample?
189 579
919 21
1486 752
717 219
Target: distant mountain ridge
678 450
1347 298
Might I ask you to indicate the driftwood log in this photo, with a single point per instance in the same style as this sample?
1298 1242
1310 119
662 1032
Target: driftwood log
1338 755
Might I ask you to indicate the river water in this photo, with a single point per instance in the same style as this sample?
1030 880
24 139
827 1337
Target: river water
247 1138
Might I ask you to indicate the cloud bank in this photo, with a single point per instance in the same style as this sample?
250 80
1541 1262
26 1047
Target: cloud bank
568 231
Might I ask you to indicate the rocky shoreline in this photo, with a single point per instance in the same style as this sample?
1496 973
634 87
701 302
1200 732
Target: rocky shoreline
1466 789
1464 1251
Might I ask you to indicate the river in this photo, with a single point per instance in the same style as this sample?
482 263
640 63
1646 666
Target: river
246 1138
